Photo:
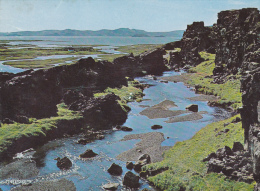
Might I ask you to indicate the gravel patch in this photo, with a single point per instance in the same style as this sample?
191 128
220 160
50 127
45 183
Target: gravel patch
161 110
61 184
189 117
150 144
204 98
21 169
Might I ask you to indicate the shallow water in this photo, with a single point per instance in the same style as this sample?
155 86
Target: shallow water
91 174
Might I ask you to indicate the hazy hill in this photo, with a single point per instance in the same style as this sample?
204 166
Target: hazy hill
103 32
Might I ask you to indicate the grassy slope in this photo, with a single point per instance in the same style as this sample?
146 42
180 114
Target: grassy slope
186 169
126 94
185 159
229 92
39 63
11 132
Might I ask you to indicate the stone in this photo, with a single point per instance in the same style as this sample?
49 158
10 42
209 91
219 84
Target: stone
131 180
115 169
88 154
193 107
64 163
237 146
221 153
129 165
145 157
111 186
156 127
125 128
210 156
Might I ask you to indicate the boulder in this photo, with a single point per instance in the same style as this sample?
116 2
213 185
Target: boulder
129 165
111 186
237 146
223 152
64 163
193 107
88 154
131 180
156 127
125 128
115 169
210 156
144 159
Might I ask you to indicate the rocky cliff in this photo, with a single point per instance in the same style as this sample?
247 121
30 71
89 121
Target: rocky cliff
36 93
235 41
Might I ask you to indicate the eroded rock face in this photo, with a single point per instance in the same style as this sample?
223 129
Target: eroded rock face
37 93
236 32
195 39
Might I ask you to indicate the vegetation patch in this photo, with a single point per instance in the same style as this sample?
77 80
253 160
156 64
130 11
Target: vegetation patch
40 63
138 48
229 92
11 132
126 93
184 160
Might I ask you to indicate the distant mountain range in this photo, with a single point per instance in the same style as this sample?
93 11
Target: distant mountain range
103 32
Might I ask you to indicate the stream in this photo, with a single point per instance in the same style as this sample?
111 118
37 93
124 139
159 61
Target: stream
91 174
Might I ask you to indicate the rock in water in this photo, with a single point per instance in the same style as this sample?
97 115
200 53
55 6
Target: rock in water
129 165
131 180
64 163
111 186
193 107
115 169
156 127
88 154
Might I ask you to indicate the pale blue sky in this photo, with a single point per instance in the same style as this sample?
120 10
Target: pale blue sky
149 15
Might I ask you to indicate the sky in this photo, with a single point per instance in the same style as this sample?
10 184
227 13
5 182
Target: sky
149 15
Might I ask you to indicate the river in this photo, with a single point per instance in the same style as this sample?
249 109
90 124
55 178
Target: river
92 174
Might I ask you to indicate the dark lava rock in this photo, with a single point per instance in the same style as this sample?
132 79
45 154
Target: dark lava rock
193 107
88 154
111 186
221 153
156 127
237 146
115 169
124 128
84 141
236 120
131 180
64 163
129 165
144 159
7 121
210 156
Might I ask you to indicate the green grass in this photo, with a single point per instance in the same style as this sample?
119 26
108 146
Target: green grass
28 53
126 94
11 132
39 63
109 57
137 49
185 158
229 92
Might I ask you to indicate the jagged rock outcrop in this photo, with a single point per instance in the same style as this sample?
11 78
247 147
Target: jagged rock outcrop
150 62
195 39
237 40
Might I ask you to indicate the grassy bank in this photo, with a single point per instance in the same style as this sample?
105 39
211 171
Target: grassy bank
12 132
126 94
29 53
229 92
27 64
184 160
